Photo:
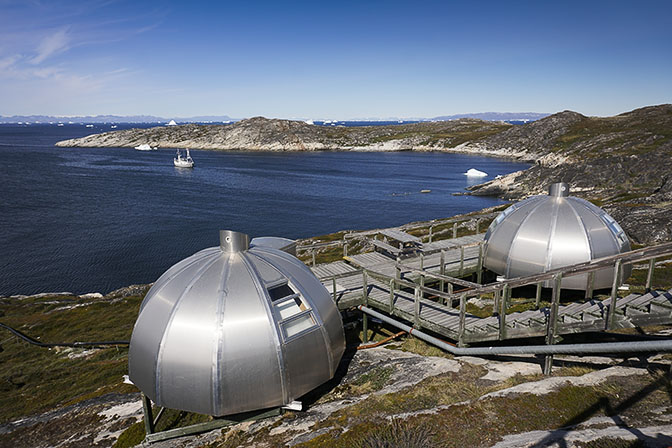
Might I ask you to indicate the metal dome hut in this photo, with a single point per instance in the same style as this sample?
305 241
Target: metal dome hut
235 328
551 231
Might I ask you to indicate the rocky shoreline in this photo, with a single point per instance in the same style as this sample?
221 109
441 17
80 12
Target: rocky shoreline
622 163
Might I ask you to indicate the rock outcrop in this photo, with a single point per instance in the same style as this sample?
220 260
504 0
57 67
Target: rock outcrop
262 134
621 163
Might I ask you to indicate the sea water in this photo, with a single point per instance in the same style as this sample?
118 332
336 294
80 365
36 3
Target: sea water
96 219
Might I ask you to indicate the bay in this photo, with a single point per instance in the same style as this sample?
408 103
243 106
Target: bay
96 219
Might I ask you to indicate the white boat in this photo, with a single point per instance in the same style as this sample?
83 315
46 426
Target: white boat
145 147
472 172
181 161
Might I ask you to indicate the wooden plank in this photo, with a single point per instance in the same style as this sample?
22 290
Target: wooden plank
400 236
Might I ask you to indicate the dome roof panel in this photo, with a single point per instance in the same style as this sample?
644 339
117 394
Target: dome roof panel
569 242
528 251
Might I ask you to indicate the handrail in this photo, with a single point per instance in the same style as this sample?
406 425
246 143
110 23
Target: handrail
367 233
457 281
630 257
343 275
406 283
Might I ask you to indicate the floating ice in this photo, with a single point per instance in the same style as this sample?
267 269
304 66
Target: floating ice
472 172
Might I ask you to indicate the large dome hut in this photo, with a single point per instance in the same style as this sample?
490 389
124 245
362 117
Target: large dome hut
235 328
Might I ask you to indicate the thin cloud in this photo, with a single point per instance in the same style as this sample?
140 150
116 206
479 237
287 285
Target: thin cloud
8 62
52 44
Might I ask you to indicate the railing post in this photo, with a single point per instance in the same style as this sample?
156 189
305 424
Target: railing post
422 280
461 261
391 304
478 224
345 246
416 309
590 284
463 314
495 306
479 271
455 230
504 302
149 418
397 269
552 325
649 275
537 296
313 253
442 269
618 272
333 291
365 299
365 287
431 232
422 261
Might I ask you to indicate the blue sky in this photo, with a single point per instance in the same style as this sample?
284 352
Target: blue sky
333 59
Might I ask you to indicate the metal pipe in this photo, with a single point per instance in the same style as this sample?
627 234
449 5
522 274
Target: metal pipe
567 349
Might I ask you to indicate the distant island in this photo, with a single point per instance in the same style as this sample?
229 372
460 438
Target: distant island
622 163
490 116
111 119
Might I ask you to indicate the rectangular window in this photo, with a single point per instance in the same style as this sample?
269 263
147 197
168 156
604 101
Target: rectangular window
297 325
288 308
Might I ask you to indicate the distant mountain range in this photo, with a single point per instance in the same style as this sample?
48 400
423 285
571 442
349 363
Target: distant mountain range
488 116
496 116
112 119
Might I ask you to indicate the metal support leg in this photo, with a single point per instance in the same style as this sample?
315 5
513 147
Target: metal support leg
365 328
149 417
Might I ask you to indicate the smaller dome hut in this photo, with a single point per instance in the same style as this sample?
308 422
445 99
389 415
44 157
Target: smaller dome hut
547 232
235 328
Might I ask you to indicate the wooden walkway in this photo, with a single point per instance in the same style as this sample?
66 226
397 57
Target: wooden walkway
460 260
397 287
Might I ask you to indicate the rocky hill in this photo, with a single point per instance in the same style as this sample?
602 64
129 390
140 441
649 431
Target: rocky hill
262 134
623 163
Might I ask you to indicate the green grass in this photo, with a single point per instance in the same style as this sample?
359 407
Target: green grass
35 379
662 278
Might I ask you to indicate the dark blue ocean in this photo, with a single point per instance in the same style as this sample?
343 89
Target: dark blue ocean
96 219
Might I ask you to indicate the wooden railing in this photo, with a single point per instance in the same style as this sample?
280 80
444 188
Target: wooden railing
364 236
502 289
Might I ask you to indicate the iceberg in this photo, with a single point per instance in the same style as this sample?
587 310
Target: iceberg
171 123
472 172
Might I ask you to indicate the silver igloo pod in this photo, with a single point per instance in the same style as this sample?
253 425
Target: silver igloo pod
235 328
547 232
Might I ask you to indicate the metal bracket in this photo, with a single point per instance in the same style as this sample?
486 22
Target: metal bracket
216 423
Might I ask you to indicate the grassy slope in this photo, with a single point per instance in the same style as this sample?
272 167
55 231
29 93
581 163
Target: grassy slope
35 379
